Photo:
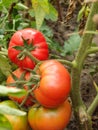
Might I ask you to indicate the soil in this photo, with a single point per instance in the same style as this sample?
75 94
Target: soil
61 29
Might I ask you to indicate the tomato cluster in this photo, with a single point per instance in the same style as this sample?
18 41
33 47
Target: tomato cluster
48 80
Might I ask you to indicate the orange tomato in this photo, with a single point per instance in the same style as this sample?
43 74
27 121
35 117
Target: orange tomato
54 86
41 118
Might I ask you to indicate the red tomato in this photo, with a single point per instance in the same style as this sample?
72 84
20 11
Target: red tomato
34 37
18 72
55 84
17 122
41 118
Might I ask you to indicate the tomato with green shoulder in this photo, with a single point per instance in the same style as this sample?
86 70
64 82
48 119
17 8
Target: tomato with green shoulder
17 122
41 118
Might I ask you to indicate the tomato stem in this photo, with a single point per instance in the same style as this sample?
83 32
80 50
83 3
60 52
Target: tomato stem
29 92
92 50
84 49
24 53
25 99
66 62
32 57
93 106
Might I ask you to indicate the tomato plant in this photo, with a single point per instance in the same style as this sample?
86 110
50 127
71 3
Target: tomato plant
25 57
17 122
27 41
19 73
41 118
54 86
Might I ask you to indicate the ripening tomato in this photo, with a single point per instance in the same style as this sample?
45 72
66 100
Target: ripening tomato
41 118
54 85
17 122
18 73
36 45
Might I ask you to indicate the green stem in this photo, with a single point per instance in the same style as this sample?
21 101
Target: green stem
27 53
25 99
92 50
31 57
13 25
87 38
4 53
76 72
34 77
66 62
27 95
93 106
10 30
20 82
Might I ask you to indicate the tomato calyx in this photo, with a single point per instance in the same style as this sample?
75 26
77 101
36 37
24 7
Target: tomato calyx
25 50
26 46
25 53
20 82
29 93
29 84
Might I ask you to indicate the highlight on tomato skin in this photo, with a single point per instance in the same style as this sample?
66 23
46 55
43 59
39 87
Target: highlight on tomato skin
55 84
35 44
41 118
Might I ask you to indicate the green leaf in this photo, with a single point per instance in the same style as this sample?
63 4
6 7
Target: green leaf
39 15
4 123
53 14
19 48
41 8
53 45
9 91
81 12
21 6
71 45
6 3
46 31
5 67
45 5
4 109
31 12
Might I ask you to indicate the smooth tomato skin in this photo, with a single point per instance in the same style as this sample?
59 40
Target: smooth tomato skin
55 84
38 41
18 72
17 122
42 118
